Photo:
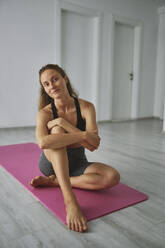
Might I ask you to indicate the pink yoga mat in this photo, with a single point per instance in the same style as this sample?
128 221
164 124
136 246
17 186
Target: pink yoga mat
21 161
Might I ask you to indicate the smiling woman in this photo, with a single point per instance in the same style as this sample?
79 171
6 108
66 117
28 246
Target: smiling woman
66 125
57 72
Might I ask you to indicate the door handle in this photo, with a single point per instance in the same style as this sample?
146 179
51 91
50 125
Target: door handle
131 76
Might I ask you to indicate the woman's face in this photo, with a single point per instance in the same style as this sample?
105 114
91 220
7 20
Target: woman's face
53 83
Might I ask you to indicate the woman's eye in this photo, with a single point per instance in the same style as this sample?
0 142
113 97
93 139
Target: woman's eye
54 79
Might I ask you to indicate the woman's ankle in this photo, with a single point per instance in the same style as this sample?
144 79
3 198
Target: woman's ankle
71 200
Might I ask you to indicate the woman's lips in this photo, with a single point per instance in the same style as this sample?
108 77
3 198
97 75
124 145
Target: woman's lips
55 91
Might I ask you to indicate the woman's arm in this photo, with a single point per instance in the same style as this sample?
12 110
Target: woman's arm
68 127
54 141
91 124
60 140
91 127
90 117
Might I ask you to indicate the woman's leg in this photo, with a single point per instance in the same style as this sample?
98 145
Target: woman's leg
95 177
58 157
59 160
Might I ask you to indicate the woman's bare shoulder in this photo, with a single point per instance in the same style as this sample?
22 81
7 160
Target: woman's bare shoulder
47 109
84 105
46 112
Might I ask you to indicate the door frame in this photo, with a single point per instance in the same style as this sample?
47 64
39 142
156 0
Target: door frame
97 16
137 59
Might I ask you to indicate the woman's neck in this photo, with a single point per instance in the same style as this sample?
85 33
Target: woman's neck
63 104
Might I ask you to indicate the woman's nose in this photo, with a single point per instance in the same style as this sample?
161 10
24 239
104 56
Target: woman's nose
52 84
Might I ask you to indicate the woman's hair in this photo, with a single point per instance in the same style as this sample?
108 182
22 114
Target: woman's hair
44 98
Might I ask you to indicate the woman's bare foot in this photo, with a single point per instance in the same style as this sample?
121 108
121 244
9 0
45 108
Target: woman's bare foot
41 181
75 219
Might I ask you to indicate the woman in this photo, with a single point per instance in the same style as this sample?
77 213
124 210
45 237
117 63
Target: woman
65 126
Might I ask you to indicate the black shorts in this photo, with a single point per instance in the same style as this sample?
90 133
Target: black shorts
77 162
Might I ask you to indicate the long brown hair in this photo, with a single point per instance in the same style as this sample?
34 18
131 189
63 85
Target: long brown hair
44 98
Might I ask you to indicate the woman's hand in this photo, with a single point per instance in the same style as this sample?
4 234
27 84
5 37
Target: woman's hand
88 146
50 124
92 139
56 122
84 144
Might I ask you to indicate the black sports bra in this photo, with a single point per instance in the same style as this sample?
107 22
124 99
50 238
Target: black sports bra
81 123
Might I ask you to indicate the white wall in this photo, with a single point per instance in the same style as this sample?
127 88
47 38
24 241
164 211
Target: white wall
27 43
27 37
160 75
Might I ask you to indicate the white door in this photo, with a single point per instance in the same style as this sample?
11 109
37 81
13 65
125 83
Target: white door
77 38
123 67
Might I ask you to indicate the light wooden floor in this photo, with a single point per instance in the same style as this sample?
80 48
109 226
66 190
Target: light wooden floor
137 150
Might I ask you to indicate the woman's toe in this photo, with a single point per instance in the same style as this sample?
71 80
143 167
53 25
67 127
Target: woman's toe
80 227
76 227
72 226
84 225
31 182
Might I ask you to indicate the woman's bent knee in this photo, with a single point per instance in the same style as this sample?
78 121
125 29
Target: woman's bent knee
57 129
112 179
116 177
